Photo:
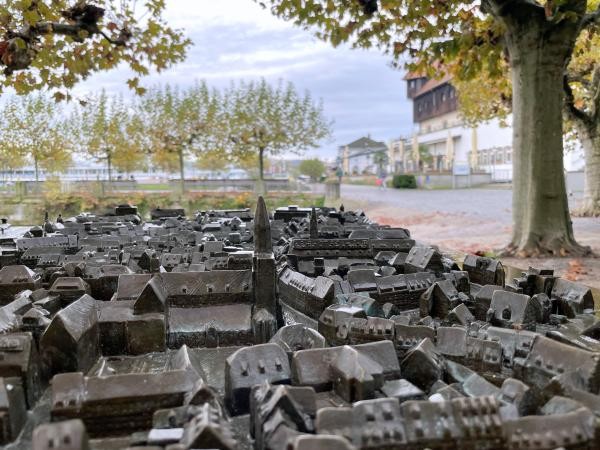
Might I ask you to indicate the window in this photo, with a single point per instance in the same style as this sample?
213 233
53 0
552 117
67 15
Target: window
508 156
499 156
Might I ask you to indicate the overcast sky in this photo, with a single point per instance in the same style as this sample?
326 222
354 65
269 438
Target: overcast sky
237 39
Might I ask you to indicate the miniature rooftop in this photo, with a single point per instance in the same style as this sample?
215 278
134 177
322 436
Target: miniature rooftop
300 328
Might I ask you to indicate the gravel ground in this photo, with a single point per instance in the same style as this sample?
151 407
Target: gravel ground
470 220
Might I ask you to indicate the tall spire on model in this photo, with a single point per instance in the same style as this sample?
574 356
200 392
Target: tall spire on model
313 227
262 228
264 272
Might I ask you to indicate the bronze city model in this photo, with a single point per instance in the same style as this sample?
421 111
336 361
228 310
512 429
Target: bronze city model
311 328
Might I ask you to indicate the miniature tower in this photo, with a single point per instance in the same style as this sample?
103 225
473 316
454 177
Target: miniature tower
265 277
313 228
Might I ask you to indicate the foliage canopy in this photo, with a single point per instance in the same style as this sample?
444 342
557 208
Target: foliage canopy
55 44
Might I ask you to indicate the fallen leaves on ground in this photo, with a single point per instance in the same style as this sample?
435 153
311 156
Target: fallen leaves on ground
575 270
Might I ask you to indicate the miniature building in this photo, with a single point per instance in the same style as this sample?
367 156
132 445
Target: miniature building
152 299
19 358
279 413
14 279
69 289
13 409
210 326
320 329
250 366
478 354
407 336
71 341
67 435
423 259
403 290
298 337
422 365
571 298
325 368
122 331
484 270
207 429
334 322
509 310
120 404
570 430
308 295
440 299
549 358
196 289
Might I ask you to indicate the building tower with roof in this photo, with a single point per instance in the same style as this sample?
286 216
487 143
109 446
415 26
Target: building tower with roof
447 144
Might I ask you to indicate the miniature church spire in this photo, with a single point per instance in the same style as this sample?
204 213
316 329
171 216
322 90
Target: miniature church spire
313 228
262 228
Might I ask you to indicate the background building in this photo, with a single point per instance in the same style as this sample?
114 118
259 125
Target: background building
442 142
358 157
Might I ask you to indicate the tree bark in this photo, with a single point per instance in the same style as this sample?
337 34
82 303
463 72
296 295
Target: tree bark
261 164
181 171
590 140
109 166
37 169
539 52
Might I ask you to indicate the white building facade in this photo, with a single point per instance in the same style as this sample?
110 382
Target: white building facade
362 156
443 142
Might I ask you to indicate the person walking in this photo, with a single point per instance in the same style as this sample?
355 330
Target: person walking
339 173
381 179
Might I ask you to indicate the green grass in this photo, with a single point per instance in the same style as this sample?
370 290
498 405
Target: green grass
153 187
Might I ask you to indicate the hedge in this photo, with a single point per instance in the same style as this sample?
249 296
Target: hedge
404 182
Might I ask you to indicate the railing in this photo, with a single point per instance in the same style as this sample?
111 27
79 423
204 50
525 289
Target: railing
32 188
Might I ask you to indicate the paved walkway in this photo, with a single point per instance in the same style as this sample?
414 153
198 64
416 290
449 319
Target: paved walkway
469 220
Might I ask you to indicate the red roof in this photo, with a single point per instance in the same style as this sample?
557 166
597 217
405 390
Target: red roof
413 75
431 84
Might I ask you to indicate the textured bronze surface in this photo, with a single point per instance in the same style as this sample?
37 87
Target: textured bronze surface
314 328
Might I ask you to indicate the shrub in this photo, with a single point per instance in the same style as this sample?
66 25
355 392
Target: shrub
404 182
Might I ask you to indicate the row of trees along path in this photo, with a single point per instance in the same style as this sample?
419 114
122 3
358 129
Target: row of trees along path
163 128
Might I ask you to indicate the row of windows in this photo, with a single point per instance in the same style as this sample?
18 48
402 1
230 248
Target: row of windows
494 156
435 97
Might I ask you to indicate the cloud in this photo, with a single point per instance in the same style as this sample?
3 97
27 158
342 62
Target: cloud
237 39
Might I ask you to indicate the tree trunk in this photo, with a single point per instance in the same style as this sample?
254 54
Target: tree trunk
541 221
109 166
590 140
261 164
37 169
181 171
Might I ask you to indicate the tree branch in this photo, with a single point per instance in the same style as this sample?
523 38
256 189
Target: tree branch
572 110
517 9
595 89
17 52
591 18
